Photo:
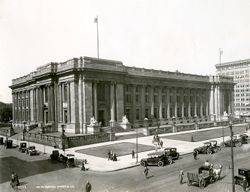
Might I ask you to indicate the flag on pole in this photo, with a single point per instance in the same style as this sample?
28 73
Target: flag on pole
96 20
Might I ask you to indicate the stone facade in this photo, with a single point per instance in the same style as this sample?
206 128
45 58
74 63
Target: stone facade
72 92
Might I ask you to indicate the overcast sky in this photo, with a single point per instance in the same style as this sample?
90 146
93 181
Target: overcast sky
160 34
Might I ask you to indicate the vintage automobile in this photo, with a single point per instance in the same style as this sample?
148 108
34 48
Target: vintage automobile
237 141
214 146
205 149
31 150
54 155
157 158
68 159
8 143
22 147
242 172
172 151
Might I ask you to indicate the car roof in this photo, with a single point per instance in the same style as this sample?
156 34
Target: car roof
170 148
206 143
212 141
158 153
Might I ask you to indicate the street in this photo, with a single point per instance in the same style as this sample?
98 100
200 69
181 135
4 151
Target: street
54 177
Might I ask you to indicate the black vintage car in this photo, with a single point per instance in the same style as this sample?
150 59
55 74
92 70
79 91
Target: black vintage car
242 172
54 155
158 158
214 146
68 159
205 149
31 150
237 141
172 151
22 147
8 143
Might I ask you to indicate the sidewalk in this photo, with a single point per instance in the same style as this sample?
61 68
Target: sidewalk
126 161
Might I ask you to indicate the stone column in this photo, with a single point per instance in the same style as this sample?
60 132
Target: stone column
74 106
80 96
119 101
112 102
195 91
160 102
175 103
142 102
212 102
189 102
95 100
182 102
151 102
31 105
69 102
168 102
60 100
201 103
216 101
87 103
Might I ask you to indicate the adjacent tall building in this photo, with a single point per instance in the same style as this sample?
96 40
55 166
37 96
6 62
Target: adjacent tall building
239 71
72 92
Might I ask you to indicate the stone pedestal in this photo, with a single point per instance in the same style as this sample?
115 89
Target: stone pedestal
125 126
174 128
92 129
196 126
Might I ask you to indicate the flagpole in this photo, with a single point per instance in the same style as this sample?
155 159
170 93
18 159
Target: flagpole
97 30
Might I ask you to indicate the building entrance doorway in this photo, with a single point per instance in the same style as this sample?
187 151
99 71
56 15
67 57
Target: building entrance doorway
101 117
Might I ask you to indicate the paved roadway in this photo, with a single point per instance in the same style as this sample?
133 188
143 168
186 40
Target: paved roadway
54 177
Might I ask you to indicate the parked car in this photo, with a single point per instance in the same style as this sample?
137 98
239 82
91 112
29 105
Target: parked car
31 150
22 147
205 149
68 159
242 172
158 158
8 143
214 146
54 155
172 151
237 141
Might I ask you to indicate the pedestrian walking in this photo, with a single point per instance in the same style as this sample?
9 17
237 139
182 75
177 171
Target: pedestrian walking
109 155
114 157
161 143
244 184
83 166
195 153
181 174
88 187
146 172
133 154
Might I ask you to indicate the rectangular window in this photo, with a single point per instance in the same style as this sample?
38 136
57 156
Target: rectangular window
128 114
155 98
65 116
146 99
46 90
137 98
155 113
146 113
137 114
163 112
65 93
163 98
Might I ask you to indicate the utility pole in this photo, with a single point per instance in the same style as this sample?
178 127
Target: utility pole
232 156
97 33
136 145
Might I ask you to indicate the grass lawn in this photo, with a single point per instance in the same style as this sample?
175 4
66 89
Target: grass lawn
120 149
205 135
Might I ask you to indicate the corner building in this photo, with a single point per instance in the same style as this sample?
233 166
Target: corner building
72 92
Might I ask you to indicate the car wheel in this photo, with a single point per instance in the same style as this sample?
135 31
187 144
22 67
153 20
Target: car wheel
222 145
160 164
143 163
238 144
177 156
170 160
209 151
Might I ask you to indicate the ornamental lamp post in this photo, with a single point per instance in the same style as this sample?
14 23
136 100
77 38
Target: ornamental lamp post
63 138
111 122
24 130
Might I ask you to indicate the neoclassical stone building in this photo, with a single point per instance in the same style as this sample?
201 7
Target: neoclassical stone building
72 92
